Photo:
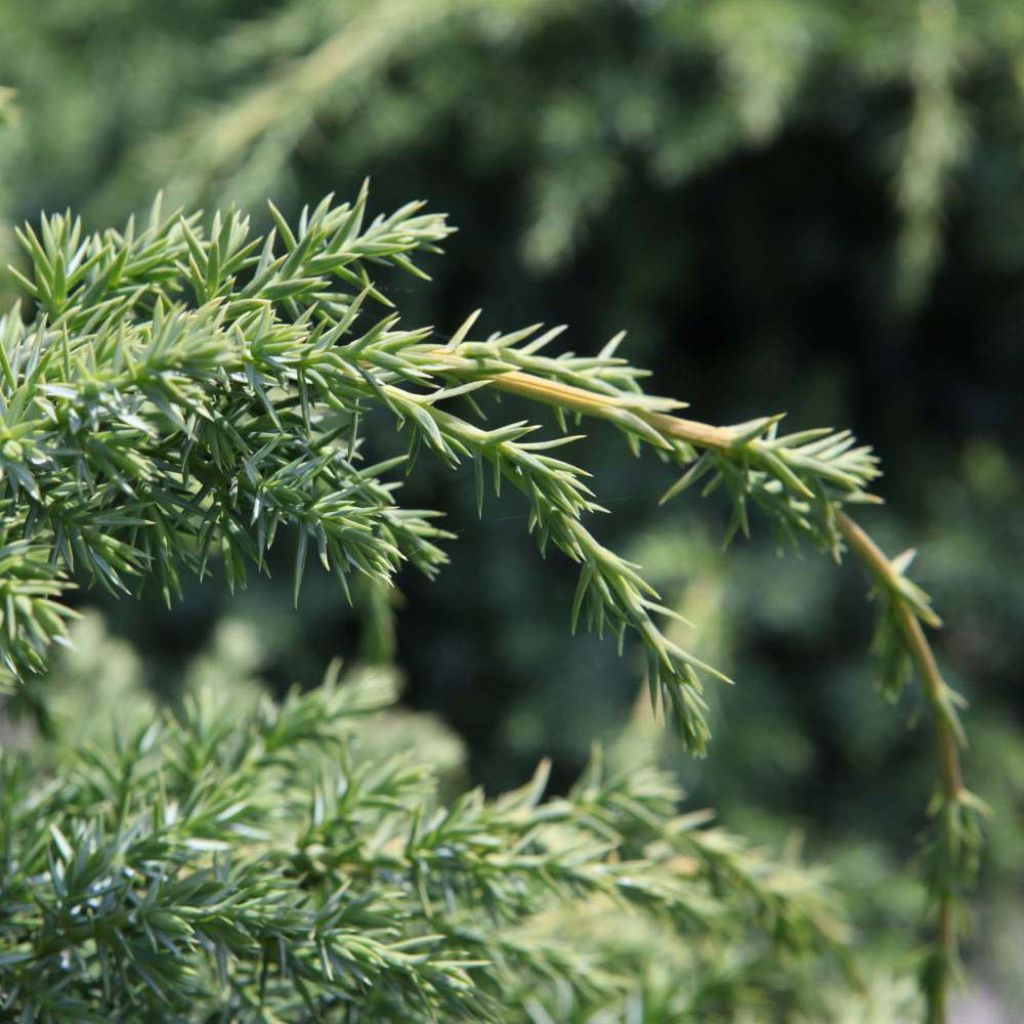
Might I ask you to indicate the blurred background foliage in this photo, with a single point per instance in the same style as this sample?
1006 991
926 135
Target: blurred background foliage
791 204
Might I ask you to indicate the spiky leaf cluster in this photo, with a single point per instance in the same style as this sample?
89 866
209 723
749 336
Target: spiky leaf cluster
255 861
184 391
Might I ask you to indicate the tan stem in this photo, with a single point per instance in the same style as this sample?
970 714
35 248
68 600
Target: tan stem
950 771
917 644
590 403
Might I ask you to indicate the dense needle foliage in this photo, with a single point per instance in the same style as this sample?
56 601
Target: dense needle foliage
254 861
182 393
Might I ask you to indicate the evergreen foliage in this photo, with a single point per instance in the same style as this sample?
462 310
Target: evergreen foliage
248 860
747 185
185 390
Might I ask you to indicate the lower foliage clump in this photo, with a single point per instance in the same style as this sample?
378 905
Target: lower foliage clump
238 859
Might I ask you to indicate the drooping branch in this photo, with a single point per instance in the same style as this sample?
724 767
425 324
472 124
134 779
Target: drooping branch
957 808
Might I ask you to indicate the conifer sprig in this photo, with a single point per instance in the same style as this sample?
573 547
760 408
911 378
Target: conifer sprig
185 391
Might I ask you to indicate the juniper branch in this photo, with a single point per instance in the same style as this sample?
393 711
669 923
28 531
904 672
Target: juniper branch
809 476
179 389
186 391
